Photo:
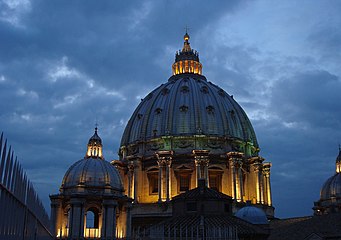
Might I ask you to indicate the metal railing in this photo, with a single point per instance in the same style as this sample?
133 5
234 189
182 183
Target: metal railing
22 214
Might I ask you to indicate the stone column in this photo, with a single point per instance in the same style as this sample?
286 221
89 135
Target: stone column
77 218
201 160
134 163
240 189
160 188
128 221
168 163
235 163
258 168
109 219
130 179
267 185
164 162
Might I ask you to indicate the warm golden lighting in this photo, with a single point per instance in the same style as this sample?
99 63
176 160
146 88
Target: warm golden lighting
187 60
94 147
92 233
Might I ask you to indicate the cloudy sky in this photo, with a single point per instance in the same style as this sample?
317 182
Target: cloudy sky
66 64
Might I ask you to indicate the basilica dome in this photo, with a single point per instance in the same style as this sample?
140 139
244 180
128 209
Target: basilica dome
330 196
92 171
332 187
187 106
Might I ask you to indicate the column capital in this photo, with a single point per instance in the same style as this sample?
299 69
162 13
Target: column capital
131 166
201 157
164 158
110 202
256 159
266 169
77 201
235 155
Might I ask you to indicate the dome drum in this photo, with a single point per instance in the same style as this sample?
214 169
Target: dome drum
185 144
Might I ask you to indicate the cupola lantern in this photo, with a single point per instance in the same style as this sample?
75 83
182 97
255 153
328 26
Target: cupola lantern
94 146
187 59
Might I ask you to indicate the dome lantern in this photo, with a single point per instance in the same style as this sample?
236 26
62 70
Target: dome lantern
94 146
338 161
187 60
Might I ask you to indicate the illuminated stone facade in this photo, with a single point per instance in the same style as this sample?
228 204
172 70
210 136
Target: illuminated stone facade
91 203
188 129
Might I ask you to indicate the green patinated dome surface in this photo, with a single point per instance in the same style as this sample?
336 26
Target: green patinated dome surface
187 106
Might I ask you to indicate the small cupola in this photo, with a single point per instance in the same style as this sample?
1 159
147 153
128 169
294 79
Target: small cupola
187 59
94 146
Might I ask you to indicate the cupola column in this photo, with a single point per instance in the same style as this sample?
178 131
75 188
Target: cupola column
76 230
267 186
235 162
109 219
164 162
201 160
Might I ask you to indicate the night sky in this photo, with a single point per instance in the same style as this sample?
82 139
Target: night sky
66 64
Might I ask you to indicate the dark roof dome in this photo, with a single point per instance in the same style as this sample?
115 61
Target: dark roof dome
92 172
252 215
187 106
332 187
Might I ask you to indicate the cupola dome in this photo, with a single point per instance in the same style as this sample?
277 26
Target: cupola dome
92 171
252 215
330 195
332 187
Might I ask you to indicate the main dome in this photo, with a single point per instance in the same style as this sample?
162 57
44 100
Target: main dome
188 106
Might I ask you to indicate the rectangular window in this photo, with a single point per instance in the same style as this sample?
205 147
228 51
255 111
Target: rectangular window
153 183
215 181
184 182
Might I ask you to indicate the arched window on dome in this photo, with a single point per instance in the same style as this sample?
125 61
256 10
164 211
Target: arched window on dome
91 218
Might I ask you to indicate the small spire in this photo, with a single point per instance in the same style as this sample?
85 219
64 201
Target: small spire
187 46
96 127
186 36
